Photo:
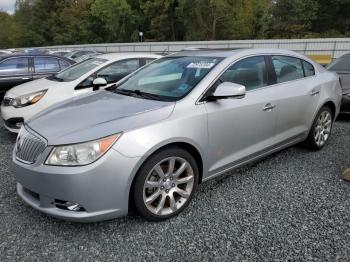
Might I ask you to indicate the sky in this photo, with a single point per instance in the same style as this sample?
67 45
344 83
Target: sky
7 6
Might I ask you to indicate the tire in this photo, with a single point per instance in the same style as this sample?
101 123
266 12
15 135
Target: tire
320 130
160 192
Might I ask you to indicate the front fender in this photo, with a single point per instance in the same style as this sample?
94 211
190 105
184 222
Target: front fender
143 142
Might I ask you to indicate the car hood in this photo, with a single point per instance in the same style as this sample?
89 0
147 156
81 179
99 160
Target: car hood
35 85
97 115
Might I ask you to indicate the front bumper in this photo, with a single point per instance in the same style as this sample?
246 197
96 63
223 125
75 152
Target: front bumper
12 118
101 188
15 117
14 124
345 103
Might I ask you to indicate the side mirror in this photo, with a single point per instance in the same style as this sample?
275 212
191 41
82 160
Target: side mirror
98 82
228 90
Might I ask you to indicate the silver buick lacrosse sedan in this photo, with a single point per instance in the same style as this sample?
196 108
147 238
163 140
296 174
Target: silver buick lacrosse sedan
147 142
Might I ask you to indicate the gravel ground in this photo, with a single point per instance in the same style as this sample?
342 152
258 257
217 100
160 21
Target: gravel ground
292 205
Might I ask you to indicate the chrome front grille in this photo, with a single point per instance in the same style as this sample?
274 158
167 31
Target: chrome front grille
7 101
28 146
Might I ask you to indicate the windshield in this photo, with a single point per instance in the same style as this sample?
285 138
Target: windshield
170 78
77 70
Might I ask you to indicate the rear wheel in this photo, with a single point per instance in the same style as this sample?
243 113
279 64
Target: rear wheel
165 184
321 129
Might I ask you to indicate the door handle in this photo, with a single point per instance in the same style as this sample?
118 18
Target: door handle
269 107
314 92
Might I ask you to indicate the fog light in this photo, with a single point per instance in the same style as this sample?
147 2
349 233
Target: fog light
66 205
73 206
19 124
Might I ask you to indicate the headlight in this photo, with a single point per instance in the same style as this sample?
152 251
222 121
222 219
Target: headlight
28 99
80 154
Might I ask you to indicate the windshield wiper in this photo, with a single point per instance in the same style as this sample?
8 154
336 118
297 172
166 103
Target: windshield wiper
54 77
138 93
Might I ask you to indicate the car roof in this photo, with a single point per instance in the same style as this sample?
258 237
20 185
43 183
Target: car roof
87 51
225 53
117 56
347 56
2 57
207 52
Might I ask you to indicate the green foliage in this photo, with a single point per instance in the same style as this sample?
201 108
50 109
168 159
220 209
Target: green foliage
205 19
6 29
77 24
116 17
249 19
162 23
293 18
332 18
56 22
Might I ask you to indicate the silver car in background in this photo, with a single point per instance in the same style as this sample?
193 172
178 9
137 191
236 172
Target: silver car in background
148 141
341 66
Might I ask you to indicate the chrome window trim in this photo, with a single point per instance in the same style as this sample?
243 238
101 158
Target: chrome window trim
199 102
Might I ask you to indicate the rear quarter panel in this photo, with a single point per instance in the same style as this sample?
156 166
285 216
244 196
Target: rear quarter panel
330 90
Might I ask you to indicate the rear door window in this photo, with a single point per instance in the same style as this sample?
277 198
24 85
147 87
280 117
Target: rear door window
308 69
287 68
46 64
14 66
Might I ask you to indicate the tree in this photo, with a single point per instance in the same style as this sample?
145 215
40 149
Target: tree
117 19
162 20
205 19
332 18
23 35
249 19
55 22
77 24
6 30
292 18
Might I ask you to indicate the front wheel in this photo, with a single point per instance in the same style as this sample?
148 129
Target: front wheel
165 184
321 129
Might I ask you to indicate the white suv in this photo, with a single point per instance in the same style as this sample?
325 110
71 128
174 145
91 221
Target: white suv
24 101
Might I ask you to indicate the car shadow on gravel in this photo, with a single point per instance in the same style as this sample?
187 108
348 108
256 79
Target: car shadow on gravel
6 137
343 118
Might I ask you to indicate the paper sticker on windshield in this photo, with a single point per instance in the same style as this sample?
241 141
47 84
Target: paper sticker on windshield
202 64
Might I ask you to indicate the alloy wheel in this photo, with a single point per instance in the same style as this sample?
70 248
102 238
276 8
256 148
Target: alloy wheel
323 128
168 186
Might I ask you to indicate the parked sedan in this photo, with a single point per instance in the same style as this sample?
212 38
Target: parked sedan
151 139
59 52
80 54
24 101
342 67
5 52
17 69
85 57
